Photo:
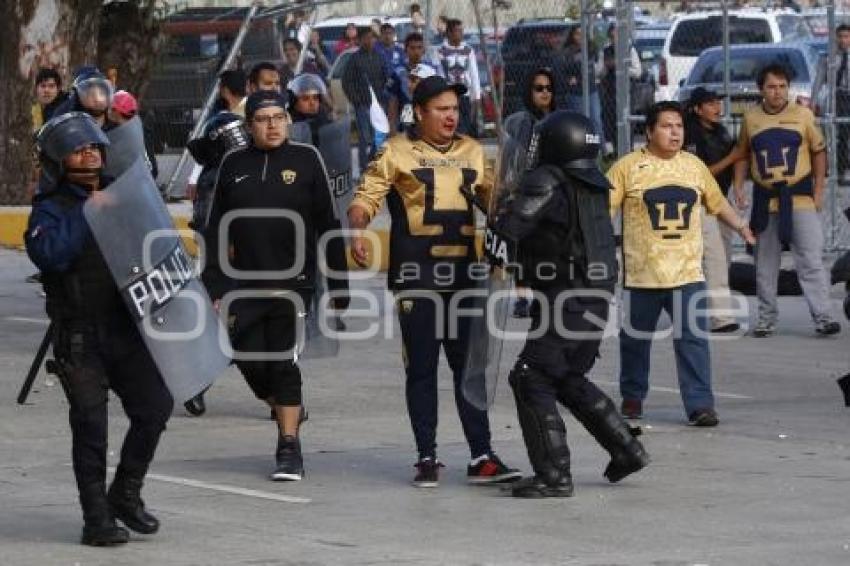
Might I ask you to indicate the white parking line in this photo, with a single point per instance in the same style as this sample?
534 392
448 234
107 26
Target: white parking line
43 321
226 488
677 392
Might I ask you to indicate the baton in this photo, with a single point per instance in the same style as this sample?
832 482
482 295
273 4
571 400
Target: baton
36 365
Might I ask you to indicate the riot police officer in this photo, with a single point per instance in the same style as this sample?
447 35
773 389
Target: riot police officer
308 102
221 133
97 345
559 220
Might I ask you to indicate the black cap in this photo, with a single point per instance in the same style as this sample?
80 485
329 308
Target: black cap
263 99
701 95
434 86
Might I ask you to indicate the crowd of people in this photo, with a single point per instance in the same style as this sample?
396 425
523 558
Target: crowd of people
264 148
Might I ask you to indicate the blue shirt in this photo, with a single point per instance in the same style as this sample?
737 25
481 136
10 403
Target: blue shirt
392 56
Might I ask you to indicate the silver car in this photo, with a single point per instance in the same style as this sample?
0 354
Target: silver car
800 58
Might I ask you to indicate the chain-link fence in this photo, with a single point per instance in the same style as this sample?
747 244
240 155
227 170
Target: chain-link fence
610 61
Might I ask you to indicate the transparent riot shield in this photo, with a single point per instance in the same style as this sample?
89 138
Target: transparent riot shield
493 296
126 145
157 280
335 147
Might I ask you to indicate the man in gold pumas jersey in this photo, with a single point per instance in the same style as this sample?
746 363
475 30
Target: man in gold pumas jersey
787 155
662 192
425 176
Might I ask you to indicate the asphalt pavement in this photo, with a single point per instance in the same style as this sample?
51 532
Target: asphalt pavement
768 486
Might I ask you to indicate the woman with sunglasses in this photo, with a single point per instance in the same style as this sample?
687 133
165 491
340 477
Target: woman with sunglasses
539 100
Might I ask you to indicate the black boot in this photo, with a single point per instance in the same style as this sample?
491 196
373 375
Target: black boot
544 433
126 503
196 405
844 384
100 528
602 420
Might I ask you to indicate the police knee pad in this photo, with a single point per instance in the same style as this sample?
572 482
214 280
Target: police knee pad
556 441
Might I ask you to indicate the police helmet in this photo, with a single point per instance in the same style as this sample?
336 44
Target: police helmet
92 90
221 133
65 134
307 83
569 140
62 136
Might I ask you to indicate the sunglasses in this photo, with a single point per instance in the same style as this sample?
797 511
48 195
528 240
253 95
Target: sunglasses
310 97
542 88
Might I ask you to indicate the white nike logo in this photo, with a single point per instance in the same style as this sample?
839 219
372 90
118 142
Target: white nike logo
240 178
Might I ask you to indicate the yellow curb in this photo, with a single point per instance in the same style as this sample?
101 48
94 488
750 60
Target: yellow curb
13 224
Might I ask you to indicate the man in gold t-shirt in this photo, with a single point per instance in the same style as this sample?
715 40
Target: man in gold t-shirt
662 192
787 155
424 176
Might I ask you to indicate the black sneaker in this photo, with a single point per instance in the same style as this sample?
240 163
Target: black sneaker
703 417
726 328
290 465
491 470
827 328
427 472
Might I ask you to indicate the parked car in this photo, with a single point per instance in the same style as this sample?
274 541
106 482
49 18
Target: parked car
332 30
691 34
648 41
818 20
800 58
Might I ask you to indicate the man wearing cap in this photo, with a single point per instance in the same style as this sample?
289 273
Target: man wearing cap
707 138
403 81
423 175
662 192
272 205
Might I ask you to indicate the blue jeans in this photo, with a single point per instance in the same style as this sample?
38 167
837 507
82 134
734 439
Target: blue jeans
418 318
365 136
693 360
575 103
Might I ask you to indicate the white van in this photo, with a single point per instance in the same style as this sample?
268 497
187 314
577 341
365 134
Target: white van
691 34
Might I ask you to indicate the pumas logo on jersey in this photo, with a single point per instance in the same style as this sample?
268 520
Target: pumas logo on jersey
288 176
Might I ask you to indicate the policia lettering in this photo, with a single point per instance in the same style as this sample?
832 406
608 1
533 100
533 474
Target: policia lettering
450 228
774 148
670 210
153 290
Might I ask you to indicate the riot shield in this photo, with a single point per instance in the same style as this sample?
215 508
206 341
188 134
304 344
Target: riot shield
300 132
126 144
335 147
157 280
493 295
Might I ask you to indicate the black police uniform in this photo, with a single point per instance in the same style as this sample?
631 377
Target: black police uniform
97 347
560 221
221 133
